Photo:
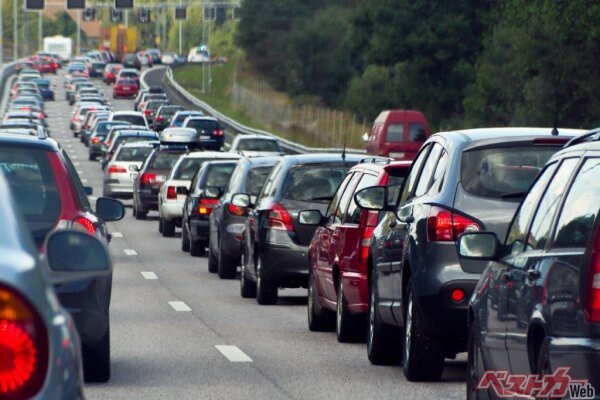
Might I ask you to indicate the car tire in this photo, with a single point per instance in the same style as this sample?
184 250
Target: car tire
473 362
266 292
197 248
319 319
423 358
213 261
543 366
384 346
185 239
139 214
349 328
227 267
96 361
247 287
160 225
168 228
91 157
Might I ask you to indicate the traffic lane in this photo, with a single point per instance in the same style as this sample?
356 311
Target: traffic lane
299 363
157 352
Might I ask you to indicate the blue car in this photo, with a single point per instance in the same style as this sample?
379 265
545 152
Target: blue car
45 88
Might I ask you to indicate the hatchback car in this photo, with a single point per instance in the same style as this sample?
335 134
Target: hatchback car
275 243
256 145
537 305
98 135
211 135
110 73
130 60
125 87
164 115
46 89
181 116
121 170
126 135
461 181
150 108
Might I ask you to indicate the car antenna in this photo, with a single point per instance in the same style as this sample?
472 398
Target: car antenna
344 148
555 129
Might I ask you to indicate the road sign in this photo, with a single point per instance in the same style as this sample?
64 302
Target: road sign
34 4
180 13
123 3
75 4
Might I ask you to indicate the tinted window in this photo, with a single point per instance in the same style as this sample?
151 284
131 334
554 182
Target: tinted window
134 154
313 183
164 160
132 119
427 174
104 127
438 175
218 175
354 212
256 179
187 168
542 221
581 207
414 172
395 133
501 171
155 104
205 124
340 212
416 132
258 145
269 188
169 110
336 197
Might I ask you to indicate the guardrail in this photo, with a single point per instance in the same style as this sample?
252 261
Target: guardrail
6 72
242 129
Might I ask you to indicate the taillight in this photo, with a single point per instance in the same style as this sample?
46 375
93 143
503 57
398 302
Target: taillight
147 179
445 226
236 210
279 218
116 169
147 112
95 140
171 193
370 222
592 311
160 118
118 87
23 347
84 224
218 132
205 206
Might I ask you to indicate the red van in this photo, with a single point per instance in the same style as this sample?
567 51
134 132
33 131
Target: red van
398 134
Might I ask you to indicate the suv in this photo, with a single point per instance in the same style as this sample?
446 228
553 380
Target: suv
210 133
539 296
46 186
460 181
338 253
275 244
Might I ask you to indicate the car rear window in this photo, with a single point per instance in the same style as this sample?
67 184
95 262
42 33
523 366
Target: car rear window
258 145
188 168
205 124
164 160
313 183
169 110
395 133
43 85
103 128
132 119
502 172
155 104
130 139
256 179
134 154
218 175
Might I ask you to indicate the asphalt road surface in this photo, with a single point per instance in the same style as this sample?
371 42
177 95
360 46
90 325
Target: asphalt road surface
169 315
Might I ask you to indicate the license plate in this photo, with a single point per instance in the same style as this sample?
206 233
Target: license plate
397 155
205 137
125 88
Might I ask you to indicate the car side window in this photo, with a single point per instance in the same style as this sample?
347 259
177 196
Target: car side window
428 170
354 211
345 199
269 188
544 216
580 209
409 183
333 205
438 175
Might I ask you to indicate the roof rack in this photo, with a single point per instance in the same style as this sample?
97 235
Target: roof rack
375 159
591 136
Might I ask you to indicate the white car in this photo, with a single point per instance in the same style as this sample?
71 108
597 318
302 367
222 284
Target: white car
173 192
123 167
133 117
256 146
169 58
199 55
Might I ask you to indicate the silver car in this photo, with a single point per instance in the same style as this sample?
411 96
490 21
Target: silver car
122 168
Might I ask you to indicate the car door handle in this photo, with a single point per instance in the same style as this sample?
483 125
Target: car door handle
533 274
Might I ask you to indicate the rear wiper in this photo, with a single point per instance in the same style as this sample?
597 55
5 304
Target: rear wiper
322 198
513 195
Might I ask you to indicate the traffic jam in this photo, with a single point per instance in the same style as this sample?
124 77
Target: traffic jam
479 247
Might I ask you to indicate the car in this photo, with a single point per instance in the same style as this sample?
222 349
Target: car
129 74
130 60
164 115
226 221
110 73
211 135
125 135
170 58
80 112
121 169
132 117
39 338
256 145
145 59
181 116
91 118
398 134
338 254
150 108
46 88
173 193
75 88
155 55
146 96
460 181
275 245
543 276
198 54
51 197
36 117
98 135
125 87
153 173
97 70
113 131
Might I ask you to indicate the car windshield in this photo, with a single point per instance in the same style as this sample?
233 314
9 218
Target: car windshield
205 124
256 179
164 160
258 145
168 111
500 172
134 154
132 119
313 183
155 104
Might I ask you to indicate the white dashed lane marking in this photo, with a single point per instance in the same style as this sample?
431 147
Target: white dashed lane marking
117 234
179 306
149 275
130 252
233 353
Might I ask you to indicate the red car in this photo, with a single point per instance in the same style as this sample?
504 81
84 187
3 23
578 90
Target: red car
125 88
47 65
338 254
111 72
398 134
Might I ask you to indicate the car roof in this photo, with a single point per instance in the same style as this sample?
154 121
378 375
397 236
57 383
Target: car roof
136 113
322 158
255 136
29 140
378 166
212 154
261 161
472 135
204 117
145 143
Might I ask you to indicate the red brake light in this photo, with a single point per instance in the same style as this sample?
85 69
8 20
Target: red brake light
147 112
171 193
23 347
457 295
279 218
592 309
219 132
95 140
147 179
160 118
116 169
206 206
235 210
445 226
84 224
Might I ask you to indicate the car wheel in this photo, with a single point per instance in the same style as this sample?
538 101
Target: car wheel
348 327
213 261
423 358
227 267
319 319
247 287
96 361
473 362
168 228
384 346
139 214
197 248
91 157
266 292
185 239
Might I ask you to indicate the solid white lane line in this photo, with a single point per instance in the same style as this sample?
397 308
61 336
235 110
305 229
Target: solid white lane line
76 164
179 306
130 252
149 275
117 234
84 180
233 353
80 172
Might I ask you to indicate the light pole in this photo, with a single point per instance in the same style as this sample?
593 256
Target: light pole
1 40
15 31
40 30
78 32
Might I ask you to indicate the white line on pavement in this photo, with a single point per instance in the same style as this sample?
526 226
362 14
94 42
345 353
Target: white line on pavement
83 180
117 234
76 164
130 252
233 353
149 275
179 306
80 172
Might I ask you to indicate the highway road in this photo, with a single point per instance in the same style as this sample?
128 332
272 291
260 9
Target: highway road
169 317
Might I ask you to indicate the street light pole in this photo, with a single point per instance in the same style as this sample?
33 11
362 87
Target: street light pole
78 32
1 40
15 31
40 30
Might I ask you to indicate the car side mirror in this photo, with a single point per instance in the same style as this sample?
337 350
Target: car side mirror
212 192
310 217
478 245
373 198
88 190
241 200
73 255
109 209
134 168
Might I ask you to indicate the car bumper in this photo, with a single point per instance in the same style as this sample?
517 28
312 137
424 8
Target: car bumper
582 355
119 189
199 229
212 143
148 201
171 210
356 291
285 264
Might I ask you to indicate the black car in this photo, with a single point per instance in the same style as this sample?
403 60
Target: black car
275 244
227 220
211 135
206 187
98 134
461 181
97 70
164 115
131 60
537 305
